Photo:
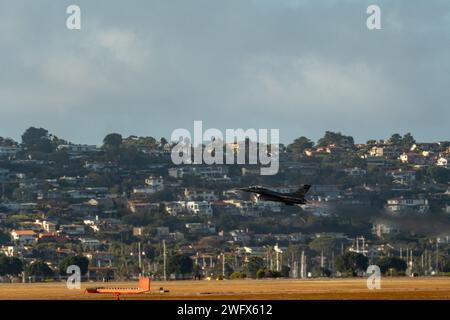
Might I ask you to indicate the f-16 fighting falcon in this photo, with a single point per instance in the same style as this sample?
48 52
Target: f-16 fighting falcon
294 198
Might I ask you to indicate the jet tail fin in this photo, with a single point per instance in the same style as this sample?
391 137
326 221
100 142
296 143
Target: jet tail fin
301 192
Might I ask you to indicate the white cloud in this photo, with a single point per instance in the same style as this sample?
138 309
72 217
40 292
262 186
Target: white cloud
123 45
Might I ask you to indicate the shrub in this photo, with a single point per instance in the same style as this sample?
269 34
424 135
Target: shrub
238 275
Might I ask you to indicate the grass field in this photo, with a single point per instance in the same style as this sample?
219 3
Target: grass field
391 288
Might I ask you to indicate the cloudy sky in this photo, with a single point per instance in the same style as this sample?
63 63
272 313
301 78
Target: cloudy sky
149 67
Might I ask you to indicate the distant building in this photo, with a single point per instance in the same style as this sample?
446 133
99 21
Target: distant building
157 183
200 228
7 152
443 162
175 208
401 176
197 194
399 205
387 151
142 207
200 208
72 229
162 232
355 172
373 161
205 171
78 148
381 228
24 237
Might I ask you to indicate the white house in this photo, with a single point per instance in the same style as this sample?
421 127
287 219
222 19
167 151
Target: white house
144 190
72 229
157 183
443 162
201 208
398 205
175 208
200 195
380 228
78 148
24 237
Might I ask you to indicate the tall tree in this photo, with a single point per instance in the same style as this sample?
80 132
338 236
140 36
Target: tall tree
395 139
253 265
352 262
335 138
10 266
180 264
37 139
112 141
40 269
299 146
407 141
387 263
80 261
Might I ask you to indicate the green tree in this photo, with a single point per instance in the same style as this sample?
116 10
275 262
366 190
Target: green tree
180 264
324 243
4 238
335 138
37 139
10 266
441 175
80 261
112 141
447 266
253 265
407 141
395 139
40 269
387 263
162 142
238 275
351 262
299 146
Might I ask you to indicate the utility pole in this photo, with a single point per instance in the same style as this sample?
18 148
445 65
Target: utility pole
164 259
302 265
321 259
437 255
332 262
140 259
223 264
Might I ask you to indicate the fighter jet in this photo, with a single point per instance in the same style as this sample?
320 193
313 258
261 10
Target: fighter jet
290 199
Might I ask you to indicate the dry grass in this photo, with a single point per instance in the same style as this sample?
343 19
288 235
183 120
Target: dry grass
335 289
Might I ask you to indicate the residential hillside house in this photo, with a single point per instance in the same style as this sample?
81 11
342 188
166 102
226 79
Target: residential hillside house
8 151
175 208
381 228
156 183
24 237
197 194
200 208
72 229
443 162
401 176
385 151
400 205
